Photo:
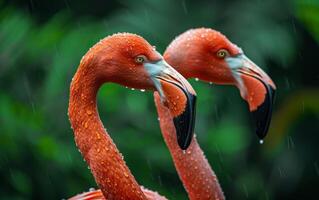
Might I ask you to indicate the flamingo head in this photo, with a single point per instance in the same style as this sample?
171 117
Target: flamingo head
208 55
129 60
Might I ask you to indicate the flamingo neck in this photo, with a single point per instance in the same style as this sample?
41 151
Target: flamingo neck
197 176
96 146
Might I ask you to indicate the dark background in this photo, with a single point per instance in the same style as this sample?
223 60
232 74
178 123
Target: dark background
42 42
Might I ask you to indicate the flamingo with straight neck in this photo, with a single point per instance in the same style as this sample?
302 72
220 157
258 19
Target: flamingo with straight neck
207 55
129 60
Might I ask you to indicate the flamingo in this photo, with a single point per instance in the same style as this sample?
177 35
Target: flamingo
129 60
208 55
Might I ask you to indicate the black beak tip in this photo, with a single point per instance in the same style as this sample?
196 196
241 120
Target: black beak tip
183 139
262 116
185 123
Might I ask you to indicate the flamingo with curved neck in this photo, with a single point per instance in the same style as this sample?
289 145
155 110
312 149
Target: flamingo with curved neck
208 55
129 60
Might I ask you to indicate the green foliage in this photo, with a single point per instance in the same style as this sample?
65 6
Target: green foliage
38 157
308 12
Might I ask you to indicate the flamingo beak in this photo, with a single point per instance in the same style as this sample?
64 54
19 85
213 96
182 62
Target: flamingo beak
257 88
178 95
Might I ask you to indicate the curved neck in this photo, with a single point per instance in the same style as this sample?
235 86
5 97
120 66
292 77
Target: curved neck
106 163
197 176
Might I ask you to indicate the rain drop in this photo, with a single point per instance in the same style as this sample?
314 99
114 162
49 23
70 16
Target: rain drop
261 141
142 90
210 83
132 88
196 79
92 189
89 112
316 168
98 135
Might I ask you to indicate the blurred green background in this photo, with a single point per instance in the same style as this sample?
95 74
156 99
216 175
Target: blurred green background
42 42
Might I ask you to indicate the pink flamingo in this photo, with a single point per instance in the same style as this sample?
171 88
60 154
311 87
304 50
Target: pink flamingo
129 60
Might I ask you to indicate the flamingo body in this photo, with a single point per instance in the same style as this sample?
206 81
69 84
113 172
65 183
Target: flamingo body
98 195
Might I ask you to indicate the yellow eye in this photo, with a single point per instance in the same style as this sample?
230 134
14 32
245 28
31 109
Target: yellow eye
140 59
222 53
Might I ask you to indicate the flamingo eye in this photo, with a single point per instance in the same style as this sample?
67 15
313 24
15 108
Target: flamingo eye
140 59
222 53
